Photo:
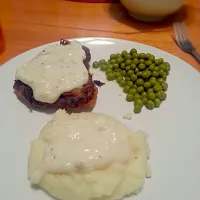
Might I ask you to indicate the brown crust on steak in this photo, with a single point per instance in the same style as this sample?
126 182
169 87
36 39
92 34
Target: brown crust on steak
76 99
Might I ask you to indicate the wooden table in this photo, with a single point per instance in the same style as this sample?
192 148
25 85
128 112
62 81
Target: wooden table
25 24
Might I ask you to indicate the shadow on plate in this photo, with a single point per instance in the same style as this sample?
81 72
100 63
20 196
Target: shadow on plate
48 111
119 13
37 187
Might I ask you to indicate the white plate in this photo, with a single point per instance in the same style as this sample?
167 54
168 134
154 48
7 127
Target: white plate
173 129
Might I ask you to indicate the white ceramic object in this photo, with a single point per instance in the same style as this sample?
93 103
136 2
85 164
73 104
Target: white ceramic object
151 10
173 129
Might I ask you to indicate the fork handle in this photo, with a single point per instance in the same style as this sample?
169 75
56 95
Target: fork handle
196 56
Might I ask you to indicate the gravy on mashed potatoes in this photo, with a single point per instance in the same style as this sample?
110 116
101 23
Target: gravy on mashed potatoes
88 156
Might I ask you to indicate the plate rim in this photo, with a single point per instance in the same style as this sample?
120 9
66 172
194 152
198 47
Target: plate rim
151 142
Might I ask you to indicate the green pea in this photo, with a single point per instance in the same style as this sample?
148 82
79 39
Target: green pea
137 70
147 85
124 53
152 67
133 50
141 61
152 58
123 66
140 81
127 56
137 96
95 65
130 73
144 99
157 88
148 62
129 97
157 68
164 86
162 73
123 73
151 96
135 61
140 89
132 91
141 66
118 70
122 83
138 102
103 67
110 66
161 95
148 55
157 102
130 84
149 72
157 62
103 61
167 66
127 78
134 77
150 90
119 60
161 60
135 86
165 77
133 66
115 66
111 76
113 61
135 55
161 80
128 68
150 104
108 70
128 62
126 88
153 81
167 69
139 74
158 95
142 55
162 66
155 73
118 55
144 94
137 108
112 56
145 74
117 74
119 79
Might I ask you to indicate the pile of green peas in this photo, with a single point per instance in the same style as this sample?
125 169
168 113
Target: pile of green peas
141 75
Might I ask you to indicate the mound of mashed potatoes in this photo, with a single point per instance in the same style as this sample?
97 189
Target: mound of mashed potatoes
88 156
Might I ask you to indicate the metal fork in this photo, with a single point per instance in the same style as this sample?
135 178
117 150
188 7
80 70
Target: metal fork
183 40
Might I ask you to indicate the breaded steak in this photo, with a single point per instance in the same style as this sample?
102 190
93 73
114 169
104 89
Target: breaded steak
76 99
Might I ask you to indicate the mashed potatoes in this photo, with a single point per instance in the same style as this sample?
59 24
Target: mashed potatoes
88 156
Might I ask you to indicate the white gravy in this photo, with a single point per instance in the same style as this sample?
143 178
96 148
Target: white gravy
55 70
83 142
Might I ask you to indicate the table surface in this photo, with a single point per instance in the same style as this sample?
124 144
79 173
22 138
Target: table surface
28 24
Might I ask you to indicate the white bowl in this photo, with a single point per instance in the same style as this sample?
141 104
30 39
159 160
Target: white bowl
151 10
